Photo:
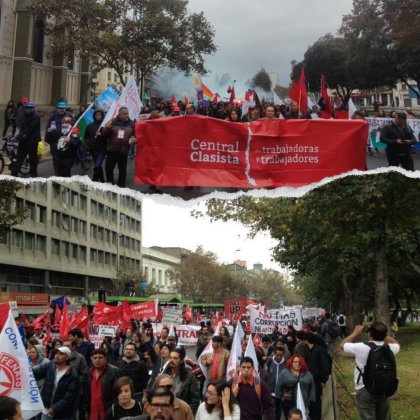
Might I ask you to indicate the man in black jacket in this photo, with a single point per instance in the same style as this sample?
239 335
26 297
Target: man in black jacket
131 365
98 394
399 137
60 390
29 136
319 364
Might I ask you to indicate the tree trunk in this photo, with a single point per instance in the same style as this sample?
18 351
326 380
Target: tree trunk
351 303
381 285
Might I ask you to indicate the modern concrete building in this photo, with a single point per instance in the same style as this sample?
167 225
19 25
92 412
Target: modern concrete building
25 68
72 240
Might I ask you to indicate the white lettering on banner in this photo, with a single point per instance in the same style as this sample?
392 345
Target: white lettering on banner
172 316
214 152
96 340
264 323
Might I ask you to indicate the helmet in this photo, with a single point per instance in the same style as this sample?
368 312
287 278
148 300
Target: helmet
61 105
30 104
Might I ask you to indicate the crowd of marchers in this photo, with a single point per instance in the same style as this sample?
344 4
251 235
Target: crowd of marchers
139 374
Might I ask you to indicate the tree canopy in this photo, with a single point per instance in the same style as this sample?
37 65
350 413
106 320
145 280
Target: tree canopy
129 35
11 214
349 241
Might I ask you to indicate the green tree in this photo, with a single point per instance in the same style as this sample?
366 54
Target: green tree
262 80
128 35
389 29
201 278
126 273
350 237
11 212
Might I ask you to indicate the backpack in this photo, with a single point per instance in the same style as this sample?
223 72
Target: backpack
333 329
341 319
380 373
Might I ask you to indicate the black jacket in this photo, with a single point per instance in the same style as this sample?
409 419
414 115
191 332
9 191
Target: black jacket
107 380
96 144
63 399
70 151
318 363
137 371
30 131
390 133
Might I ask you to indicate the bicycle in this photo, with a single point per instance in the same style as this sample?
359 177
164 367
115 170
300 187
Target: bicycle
9 150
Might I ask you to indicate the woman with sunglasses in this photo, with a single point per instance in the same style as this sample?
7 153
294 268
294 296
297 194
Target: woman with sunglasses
126 407
181 410
218 403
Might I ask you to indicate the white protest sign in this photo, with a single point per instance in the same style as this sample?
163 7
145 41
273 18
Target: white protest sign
107 330
311 312
264 323
96 340
14 308
171 316
187 334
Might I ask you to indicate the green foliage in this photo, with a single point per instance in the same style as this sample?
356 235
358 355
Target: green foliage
262 80
11 214
129 34
334 236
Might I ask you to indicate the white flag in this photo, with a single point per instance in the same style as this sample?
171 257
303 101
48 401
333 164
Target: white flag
129 98
250 352
299 402
207 350
277 100
16 377
235 352
352 108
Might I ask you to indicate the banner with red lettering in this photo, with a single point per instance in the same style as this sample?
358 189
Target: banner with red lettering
202 151
187 334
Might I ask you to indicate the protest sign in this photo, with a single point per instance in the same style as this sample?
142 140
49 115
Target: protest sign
96 340
264 323
107 330
171 316
145 310
235 306
187 334
311 312
376 124
200 151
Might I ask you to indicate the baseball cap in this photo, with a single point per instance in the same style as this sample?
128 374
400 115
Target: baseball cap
65 350
29 105
61 105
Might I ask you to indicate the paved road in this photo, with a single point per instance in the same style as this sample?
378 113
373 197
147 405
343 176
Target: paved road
45 170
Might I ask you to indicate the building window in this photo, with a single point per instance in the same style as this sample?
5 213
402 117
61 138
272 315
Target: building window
41 242
38 42
4 238
93 255
107 258
115 77
17 238
65 195
65 222
154 275
74 252
66 248
160 276
83 202
100 233
30 210
55 246
100 257
56 217
82 253
82 227
75 199
70 60
29 241
109 76
41 212
93 231
74 225
56 190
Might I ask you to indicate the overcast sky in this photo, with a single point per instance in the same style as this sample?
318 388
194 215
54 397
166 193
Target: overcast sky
251 34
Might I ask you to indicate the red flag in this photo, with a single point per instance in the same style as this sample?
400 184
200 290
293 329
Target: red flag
232 94
299 94
257 340
325 102
43 319
57 315
216 98
172 100
106 314
47 338
186 100
64 326
188 314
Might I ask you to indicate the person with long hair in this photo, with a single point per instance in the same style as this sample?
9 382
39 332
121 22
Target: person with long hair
296 372
125 407
233 116
218 403
10 408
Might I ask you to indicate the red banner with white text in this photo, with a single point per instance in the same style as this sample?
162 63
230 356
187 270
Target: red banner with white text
202 151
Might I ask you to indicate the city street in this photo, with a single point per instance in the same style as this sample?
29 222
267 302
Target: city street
45 170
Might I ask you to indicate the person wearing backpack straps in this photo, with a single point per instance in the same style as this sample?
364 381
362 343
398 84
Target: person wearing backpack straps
375 375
